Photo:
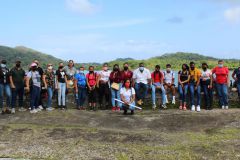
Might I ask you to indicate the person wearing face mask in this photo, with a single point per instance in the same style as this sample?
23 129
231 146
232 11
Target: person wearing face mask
80 85
70 73
116 85
103 85
169 78
49 82
141 80
157 85
183 83
17 77
236 77
206 84
194 85
127 93
126 72
222 79
5 87
91 84
33 84
61 86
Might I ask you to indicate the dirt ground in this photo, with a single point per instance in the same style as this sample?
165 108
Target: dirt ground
100 135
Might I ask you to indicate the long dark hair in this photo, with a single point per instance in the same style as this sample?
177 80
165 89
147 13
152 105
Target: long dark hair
126 81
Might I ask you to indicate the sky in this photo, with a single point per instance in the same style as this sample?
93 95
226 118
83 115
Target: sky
103 30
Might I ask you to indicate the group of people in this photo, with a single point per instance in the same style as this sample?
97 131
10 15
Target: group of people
123 88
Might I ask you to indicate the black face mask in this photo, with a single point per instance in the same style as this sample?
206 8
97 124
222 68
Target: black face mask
125 68
61 67
204 68
18 65
115 69
91 72
34 68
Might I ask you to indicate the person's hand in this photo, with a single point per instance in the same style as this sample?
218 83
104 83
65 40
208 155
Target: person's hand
210 86
13 86
196 87
76 90
27 89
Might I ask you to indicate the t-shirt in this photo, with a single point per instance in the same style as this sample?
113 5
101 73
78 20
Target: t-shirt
104 75
17 77
127 94
237 73
4 76
142 77
92 79
221 74
50 78
168 77
115 77
206 75
194 75
70 72
35 78
127 75
183 76
157 76
61 76
81 80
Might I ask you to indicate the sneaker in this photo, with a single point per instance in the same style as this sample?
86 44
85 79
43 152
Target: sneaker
226 107
8 111
193 108
3 112
180 107
50 109
118 109
13 111
113 108
184 108
164 106
154 107
166 99
198 108
223 107
40 107
33 111
132 112
21 109
173 101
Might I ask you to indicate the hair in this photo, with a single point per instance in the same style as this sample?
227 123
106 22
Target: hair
141 64
168 65
60 63
126 63
187 67
191 63
91 67
157 66
126 81
205 64
71 61
220 60
105 64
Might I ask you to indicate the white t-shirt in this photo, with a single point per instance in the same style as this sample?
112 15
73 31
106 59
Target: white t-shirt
104 75
168 77
36 78
206 75
127 93
142 77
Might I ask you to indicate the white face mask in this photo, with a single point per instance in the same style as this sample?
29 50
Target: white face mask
3 65
50 67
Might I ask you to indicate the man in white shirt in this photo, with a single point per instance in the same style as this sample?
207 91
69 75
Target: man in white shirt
103 85
169 78
142 80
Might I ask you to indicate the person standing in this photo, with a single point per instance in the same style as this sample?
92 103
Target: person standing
221 72
17 77
127 74
70 71
5 87
236 77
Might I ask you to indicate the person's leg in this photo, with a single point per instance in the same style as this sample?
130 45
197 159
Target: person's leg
137 89
33 93
83 96
101 93
210 93
38 92
220 94
199 95
225 95
238 88
180 90
64 94
20 92
119 98
192 89
206 96
14 97
1 96
163 95
8 94
153 95
107 94
185 96
113 97
173 89
50 94
132 108
145 90
59 94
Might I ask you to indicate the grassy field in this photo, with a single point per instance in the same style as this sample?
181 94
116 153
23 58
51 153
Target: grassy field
168 134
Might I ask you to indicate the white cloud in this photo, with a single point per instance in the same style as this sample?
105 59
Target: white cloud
232 15
82 6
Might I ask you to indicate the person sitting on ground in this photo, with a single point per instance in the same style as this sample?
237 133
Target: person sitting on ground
127 96
157 84
236 77
141 81
169 79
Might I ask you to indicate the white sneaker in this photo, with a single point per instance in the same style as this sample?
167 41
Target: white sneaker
164 106
40 107
193 108
33 111
223 107
50 109
166 99
154 107
198 108
226 107
22 109
173 101
13 111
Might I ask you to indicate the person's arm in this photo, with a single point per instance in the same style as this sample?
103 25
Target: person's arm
75 85
27 81
211 81
56 77
233 76
198 81
44 81
65 77
162 77
11 82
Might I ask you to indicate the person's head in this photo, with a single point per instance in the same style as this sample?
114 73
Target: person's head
141 67
220 63
116 68
127 83
18 63
168 67
81 69
3 63
184 67
105 66
34 66
37 62
60 65
91 69
49 66
204 66
125 66
70 63
157 68
192 65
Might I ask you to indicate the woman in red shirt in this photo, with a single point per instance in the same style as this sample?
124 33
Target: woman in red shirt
221 74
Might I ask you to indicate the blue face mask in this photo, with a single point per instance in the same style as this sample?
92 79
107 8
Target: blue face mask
81 72
141 69
3 65
220 65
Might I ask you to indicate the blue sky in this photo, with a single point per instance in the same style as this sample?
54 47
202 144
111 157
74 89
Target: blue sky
103 30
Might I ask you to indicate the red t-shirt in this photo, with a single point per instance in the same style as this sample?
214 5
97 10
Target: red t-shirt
221 74
127 75
92 79
157 77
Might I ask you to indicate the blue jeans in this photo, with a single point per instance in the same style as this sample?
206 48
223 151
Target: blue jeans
183 92
82 93
208 95
116 94
238 88
192 92
61 94
18 91
154 93
138 87
5 88
222 90
124 107
50 95
35 96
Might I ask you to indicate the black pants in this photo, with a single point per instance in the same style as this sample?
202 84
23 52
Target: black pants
104 91
92 96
